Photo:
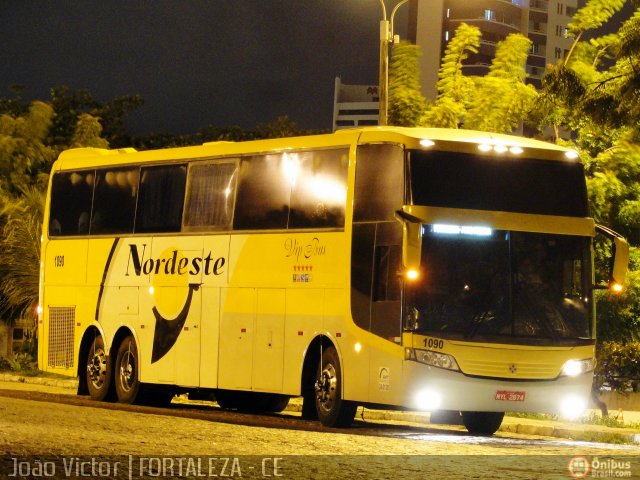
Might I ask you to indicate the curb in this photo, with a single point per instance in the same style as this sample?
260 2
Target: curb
509 425
45 381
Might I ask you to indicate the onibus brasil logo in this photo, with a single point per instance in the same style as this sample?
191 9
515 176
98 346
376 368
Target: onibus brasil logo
609 467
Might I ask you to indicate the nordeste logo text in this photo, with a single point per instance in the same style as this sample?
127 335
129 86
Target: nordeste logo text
174 265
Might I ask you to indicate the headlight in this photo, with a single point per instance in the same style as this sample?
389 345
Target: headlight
573 368
429 357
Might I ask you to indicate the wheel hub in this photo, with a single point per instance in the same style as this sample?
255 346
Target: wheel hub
326 387
97 368
127 371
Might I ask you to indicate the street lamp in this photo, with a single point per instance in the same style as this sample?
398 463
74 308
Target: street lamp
386 37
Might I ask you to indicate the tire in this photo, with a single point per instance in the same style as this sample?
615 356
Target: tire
126 371
226 399
333 411
274 403
482 423
98 373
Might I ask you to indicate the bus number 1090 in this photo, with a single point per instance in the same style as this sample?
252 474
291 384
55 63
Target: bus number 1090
434 343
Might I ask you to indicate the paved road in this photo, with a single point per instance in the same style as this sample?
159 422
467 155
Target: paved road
58 428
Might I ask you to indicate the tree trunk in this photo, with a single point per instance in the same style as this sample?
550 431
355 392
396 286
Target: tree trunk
595 397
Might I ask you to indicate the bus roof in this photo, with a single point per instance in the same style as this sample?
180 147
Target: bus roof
449 139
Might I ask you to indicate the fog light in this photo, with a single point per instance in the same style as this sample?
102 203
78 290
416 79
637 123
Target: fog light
428 400
573 407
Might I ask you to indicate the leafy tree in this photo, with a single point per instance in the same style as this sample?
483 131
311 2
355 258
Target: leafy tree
502 99
24 156
455 90
69 105
497 102
87 133
20 252
594 93
282 127
14 106
406 103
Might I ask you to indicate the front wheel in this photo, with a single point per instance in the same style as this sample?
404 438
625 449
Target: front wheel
333 411
126 371
482 423
98 374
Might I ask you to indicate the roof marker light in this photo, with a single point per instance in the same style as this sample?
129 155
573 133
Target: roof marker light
571 154
483 147
516 150
425 142
500 148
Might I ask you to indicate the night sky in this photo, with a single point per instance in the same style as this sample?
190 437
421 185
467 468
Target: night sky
196 62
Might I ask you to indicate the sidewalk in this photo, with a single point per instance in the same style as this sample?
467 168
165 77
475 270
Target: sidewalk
525 426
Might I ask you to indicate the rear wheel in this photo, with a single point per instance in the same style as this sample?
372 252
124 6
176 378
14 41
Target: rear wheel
98 374
333 411
126 371
275 403
482 423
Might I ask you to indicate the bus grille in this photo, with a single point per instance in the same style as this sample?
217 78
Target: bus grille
511 370
61 336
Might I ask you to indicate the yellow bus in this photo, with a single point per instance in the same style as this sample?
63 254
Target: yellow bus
425 269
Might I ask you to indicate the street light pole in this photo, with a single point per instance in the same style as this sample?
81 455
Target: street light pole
386 37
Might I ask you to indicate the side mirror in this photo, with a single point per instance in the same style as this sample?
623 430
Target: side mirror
411 241
619 257
620 260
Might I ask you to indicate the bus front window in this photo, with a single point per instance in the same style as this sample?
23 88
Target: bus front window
502 287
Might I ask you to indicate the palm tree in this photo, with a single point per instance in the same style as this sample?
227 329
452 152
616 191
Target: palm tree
20 255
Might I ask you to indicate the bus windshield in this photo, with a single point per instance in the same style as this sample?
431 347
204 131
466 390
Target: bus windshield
501 286
523 185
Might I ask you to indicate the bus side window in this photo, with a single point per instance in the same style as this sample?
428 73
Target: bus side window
71 194
114 201
379 189
386 280
161 199
386 319
319 193
264 189
361 273
211 192
376 252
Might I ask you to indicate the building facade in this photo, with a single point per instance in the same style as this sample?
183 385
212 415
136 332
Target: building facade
432 23
354 105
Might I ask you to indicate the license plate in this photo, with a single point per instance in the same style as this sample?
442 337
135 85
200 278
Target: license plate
509 396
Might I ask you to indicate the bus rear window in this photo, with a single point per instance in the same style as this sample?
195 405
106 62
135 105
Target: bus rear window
522 185
71 194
